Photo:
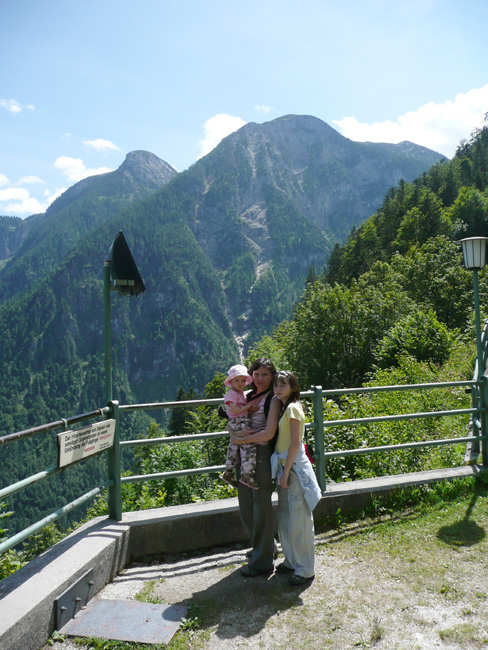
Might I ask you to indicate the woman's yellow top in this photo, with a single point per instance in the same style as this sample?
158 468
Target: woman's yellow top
293 411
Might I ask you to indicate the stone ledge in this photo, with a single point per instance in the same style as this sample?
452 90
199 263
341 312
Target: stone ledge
27 597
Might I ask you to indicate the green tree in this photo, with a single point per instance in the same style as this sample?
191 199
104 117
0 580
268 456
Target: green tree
334 330
433 276
419 335
469 213
180 415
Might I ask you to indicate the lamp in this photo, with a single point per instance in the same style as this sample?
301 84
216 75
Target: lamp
474 252
120 274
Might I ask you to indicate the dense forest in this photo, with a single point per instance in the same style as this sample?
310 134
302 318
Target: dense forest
393 305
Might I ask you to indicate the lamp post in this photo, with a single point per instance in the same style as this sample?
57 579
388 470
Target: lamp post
474 254
122 275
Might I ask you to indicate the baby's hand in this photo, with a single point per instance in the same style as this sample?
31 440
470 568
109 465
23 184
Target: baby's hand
237 438
252 407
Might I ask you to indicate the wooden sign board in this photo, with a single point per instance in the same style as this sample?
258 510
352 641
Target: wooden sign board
81 443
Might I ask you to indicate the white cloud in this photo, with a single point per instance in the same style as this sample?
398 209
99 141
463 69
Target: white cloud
17 201
101 145
216 128
30 180
438 126
25 207
262 108
13 193
75 170
13 106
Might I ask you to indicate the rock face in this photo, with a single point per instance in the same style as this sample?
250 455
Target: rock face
333 181
10 236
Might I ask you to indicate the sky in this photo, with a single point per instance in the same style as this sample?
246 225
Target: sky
83 82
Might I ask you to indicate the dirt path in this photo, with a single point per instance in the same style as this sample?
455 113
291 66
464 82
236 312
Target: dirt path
417 581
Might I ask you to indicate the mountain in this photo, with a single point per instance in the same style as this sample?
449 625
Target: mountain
10 236
224 249
334 182
34 246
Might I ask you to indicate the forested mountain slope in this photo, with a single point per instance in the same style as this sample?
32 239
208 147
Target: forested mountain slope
397 286
40 242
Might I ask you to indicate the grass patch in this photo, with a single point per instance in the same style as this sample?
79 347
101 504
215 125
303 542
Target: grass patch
464 635
146 594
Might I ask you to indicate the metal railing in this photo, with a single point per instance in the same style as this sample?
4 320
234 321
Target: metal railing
62 424
318 426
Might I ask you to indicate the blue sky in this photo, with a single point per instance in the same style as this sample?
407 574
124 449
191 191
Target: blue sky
84 82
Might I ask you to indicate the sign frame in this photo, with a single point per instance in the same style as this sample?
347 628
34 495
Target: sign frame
77 444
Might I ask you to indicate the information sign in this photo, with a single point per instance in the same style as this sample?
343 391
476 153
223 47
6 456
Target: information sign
76 444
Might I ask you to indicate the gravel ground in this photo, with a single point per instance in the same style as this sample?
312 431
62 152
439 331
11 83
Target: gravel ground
415 581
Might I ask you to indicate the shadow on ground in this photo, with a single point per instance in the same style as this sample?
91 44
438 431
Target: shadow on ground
465 532
241 607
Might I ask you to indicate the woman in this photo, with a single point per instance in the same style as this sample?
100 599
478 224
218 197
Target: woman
298 490
255 504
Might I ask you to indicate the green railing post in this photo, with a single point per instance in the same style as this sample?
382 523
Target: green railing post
484 419
318 418
114 491
481 379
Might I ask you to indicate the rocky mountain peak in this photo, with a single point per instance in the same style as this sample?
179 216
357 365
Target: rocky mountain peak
144 165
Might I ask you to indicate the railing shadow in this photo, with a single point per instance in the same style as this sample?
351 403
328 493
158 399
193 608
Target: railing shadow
465 532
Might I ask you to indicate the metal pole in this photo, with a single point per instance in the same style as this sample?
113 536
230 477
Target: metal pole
318 416
482 387
477 323
114 491
108 336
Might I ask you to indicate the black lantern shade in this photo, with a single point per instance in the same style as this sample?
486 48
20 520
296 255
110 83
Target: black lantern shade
123 270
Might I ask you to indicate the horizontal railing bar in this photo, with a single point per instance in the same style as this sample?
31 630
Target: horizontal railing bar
15 487
404 445
30 530
181 472
305 394
180 404
185 438
404 416
187 403
168 439
395 387
53 425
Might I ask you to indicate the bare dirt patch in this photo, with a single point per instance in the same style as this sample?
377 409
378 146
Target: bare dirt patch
413 581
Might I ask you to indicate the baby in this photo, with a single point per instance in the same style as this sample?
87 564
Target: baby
237 408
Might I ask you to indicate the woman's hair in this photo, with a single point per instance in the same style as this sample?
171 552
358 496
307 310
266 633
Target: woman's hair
287 377
263 362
